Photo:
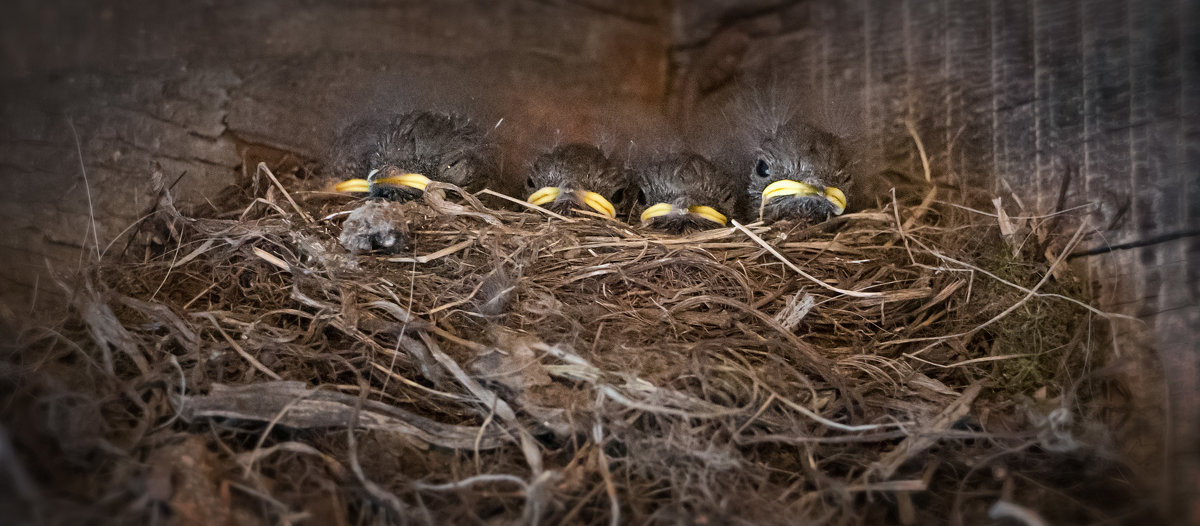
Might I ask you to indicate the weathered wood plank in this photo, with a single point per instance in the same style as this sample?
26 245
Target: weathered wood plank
968 50
189 94
843 52
886 77
1108 88
1106 93
927 83
1012 105
1058 80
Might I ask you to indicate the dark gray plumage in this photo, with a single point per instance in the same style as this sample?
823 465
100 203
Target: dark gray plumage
684 181
576 168
799 152
442 147
349 155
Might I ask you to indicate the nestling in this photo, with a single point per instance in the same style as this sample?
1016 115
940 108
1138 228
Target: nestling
575 176
799 172
411 149
685 192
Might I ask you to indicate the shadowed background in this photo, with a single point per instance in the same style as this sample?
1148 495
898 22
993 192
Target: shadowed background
1097 101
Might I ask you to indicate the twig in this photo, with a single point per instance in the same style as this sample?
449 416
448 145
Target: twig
1008 510
797 270
912 132
436 255
889 485
380 494
1152 240
262 437
471 481
1030 294
87 187
598 438
1062 257
272 259
532 456
262 168
238 348
524 203
921 440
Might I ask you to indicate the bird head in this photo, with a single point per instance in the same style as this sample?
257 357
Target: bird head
799 172
685 192
418 147
577 177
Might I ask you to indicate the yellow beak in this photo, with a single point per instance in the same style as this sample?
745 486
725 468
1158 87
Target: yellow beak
709 213
835 196
544 195
353 185
416 181
788 187
598 203
660 209
593 200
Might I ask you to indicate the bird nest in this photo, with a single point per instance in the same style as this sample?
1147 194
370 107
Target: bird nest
914 363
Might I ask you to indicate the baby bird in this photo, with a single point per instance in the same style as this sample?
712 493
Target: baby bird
408 150
686 192
576 175
349 154
799 172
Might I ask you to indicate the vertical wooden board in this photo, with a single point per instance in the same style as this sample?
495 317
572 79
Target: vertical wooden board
968 102
1154 106
845 40
790 58
1180 298
1173 177
806 56
1189 119
886 72
1059 108
821 50
925 52
1178 330
1155 73
1012 101
1104 181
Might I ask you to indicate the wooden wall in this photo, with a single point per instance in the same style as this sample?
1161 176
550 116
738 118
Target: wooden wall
199 86
1024 93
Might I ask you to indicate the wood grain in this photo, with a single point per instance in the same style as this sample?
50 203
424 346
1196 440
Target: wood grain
1025 92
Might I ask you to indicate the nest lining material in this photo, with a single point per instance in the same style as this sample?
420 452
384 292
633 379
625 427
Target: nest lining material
510 366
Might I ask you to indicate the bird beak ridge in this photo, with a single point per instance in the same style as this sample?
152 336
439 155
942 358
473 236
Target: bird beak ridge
597 202
709 213
415 181
353 185
544 195
788 187
837 198
660 209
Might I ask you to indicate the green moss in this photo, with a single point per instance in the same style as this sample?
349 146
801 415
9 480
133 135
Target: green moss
1041 331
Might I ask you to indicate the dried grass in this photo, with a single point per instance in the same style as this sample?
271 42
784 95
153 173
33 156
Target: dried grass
903 364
